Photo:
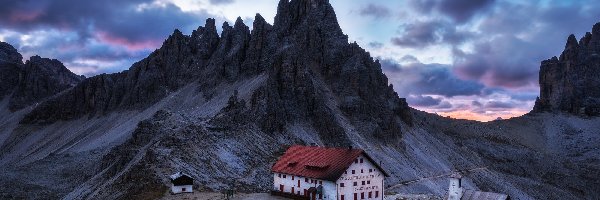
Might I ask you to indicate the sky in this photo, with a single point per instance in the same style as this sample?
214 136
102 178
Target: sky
467 59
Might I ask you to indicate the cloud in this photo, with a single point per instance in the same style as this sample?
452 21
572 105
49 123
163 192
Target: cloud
93 36
423 101
422 34
376 45
499 104
460 11
375 11
219 2
428 79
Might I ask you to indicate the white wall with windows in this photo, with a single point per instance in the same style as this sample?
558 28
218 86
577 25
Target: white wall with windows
362 180
299 185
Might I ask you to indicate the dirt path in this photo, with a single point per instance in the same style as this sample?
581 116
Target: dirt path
433 177
218 196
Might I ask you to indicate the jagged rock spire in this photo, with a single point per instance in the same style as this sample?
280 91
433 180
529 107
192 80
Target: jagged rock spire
570 84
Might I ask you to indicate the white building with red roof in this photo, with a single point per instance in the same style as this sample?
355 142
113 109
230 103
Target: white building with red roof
308 172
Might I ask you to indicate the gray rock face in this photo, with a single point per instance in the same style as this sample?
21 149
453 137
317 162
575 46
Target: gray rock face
571 83
37 79
10 67
305 54
41 78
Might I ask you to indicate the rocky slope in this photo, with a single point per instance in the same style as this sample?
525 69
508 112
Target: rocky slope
223 108
570 83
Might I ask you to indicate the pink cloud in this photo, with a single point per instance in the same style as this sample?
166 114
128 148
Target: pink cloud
123 42
24 16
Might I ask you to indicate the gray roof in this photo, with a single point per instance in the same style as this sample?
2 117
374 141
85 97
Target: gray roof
478 195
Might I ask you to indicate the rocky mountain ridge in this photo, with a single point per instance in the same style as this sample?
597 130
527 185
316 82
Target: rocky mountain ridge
30 82
570 83
223 108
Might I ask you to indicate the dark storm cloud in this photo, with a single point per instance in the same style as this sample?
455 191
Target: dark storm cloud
422 34
423 101
375 11
83 34
460 11
125 22
508 55
428 79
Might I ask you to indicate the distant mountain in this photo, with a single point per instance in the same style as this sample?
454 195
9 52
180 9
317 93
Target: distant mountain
571 83
222 108
33 81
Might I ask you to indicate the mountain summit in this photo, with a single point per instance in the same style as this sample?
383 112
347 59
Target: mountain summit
570 83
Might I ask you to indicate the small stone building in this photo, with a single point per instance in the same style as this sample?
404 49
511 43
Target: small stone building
181 183
308 172
457 192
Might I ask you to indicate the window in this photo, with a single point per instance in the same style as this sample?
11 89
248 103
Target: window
355 196
370 195
355 160
353 172
341 184
183 189
346 172
320 182
368 182
284 176
370 170
298 182
362 195
355 184
342 197
361 160
376 194
279 175
292 178
363 182
306 180
361 171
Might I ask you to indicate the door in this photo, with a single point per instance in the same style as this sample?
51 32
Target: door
281 188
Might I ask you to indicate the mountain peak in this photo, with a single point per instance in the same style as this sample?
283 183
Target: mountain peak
295 13
570 84
8 53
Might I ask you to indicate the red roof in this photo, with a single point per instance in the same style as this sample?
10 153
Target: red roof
319 162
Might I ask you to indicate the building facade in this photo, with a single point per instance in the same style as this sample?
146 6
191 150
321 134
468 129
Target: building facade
181 183
328 173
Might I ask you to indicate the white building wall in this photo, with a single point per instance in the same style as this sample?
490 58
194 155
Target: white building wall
329 187
373 181
455 191
179 189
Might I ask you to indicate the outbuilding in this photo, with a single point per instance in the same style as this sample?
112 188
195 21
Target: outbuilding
457 192
310 172
181 183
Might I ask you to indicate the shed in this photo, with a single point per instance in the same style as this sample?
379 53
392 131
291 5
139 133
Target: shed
181 183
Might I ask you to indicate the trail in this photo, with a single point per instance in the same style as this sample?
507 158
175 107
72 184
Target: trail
404 183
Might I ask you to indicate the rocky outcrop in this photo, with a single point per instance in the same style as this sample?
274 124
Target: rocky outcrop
41 78
34 81
570 83
11 65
